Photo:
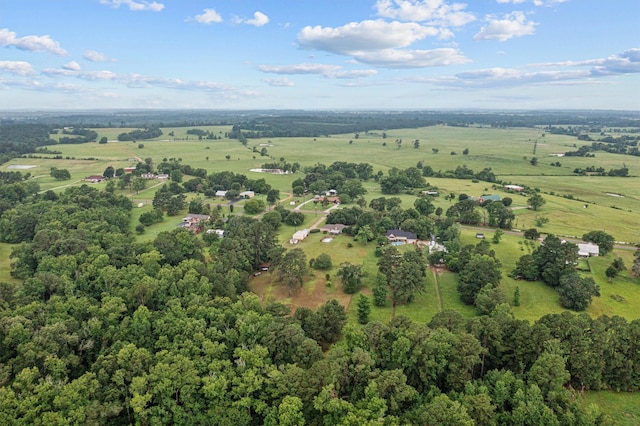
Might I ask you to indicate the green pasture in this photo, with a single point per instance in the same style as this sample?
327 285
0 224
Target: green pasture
5 265
622 407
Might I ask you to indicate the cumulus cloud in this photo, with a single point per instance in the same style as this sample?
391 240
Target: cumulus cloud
93 56
208 16
20 68
259 19
512 25
136 6
31 43
381 43
368 35
395 58
73 66
278 82
438 12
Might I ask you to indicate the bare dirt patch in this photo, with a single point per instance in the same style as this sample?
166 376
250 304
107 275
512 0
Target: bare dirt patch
314 293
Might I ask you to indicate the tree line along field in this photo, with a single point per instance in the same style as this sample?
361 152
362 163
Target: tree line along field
612 201
612 205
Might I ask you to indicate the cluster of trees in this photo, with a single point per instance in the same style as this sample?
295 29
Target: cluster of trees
22 138
15 189
463 172
140 134
398 180
600 171
81 135
59 174
345 178
554 262
202 134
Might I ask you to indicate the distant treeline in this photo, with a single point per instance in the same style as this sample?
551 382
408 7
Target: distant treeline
140 134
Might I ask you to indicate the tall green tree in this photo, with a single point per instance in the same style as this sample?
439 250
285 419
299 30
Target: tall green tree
536 201
480 271
292 269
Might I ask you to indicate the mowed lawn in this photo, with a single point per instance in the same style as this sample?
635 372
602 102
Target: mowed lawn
622 407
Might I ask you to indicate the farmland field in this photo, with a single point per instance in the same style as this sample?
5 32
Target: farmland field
574 204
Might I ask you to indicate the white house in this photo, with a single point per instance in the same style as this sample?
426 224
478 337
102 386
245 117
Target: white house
221 193
588 250
299 236
247 194
514 188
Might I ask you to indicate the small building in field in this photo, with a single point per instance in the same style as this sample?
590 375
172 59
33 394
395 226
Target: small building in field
218 232
484 198
334 228
480 235
514 188
94 179
129 169
299 236
247 194
400 236
221 194
431 193
588 250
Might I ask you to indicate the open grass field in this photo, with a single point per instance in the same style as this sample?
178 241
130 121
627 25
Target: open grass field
622 407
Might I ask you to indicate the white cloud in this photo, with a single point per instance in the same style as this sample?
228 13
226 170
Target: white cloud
140 5
547 2
380 43
364 36
208 16
396 58
514 24
139 81
20 68
31 43
568 72
325 70
278 82
627 62
434 11
322 69
73 66
511 1
93 56
259 19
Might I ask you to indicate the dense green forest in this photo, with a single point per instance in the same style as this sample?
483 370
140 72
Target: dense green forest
105 330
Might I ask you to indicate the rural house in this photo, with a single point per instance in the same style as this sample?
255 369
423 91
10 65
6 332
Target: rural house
588 250
400 236
299 236
94 179
194 222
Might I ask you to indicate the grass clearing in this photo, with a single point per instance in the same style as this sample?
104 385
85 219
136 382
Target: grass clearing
622 407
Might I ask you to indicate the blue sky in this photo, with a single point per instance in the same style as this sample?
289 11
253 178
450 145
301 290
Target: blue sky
312 54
